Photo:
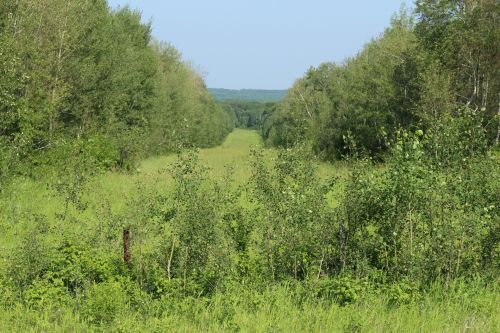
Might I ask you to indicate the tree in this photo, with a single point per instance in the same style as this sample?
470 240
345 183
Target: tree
463 37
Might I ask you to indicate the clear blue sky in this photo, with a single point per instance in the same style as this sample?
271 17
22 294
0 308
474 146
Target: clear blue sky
264 44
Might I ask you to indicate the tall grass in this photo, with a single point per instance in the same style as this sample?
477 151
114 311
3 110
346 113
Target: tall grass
278 309
31 207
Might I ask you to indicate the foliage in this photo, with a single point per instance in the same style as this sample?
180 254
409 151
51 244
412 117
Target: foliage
206 252
249 114
420 72
268 243
104 302
82 72
291 218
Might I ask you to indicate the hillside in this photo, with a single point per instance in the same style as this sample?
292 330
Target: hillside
258 95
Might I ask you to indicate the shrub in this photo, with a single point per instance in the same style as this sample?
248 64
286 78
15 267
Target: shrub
103 302
342 289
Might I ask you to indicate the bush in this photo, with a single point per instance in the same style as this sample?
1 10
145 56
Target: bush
103 302
403 292
47 293
343 289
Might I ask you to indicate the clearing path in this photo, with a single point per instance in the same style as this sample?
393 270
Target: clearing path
234 152
117 190
120 188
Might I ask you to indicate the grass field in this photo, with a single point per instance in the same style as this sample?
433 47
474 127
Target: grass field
116 190
275 310
234 153
28 206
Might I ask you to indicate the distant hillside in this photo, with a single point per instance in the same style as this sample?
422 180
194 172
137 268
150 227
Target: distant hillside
248 94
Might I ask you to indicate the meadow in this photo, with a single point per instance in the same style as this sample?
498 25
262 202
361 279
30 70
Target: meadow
61 266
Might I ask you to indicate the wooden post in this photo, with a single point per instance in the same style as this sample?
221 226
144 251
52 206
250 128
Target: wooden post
126 248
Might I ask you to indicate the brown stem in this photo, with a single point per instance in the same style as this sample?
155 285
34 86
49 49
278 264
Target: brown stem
126 248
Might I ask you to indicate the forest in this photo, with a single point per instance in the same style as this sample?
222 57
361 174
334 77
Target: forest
80 79
247 113
367 199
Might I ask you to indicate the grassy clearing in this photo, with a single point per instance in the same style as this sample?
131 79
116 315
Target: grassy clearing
29 206
276 310
114 191
233 154
25 196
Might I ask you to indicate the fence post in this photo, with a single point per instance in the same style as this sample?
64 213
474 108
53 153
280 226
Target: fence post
126 248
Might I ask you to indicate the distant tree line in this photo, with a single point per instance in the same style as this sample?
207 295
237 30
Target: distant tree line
80 77
417 74
257 95
248 114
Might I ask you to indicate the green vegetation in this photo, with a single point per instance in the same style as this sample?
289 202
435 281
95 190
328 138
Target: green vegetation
274 248
80 79
416 75
249 114
119 211
257 95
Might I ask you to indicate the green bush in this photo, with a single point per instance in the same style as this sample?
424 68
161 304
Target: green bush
403 292
47 293
342 289
103 302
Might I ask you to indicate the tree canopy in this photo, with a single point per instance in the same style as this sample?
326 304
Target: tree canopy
82 74
422 69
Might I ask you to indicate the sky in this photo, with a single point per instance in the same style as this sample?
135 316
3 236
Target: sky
264 44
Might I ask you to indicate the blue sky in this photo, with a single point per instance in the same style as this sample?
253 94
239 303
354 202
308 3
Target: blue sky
264 44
